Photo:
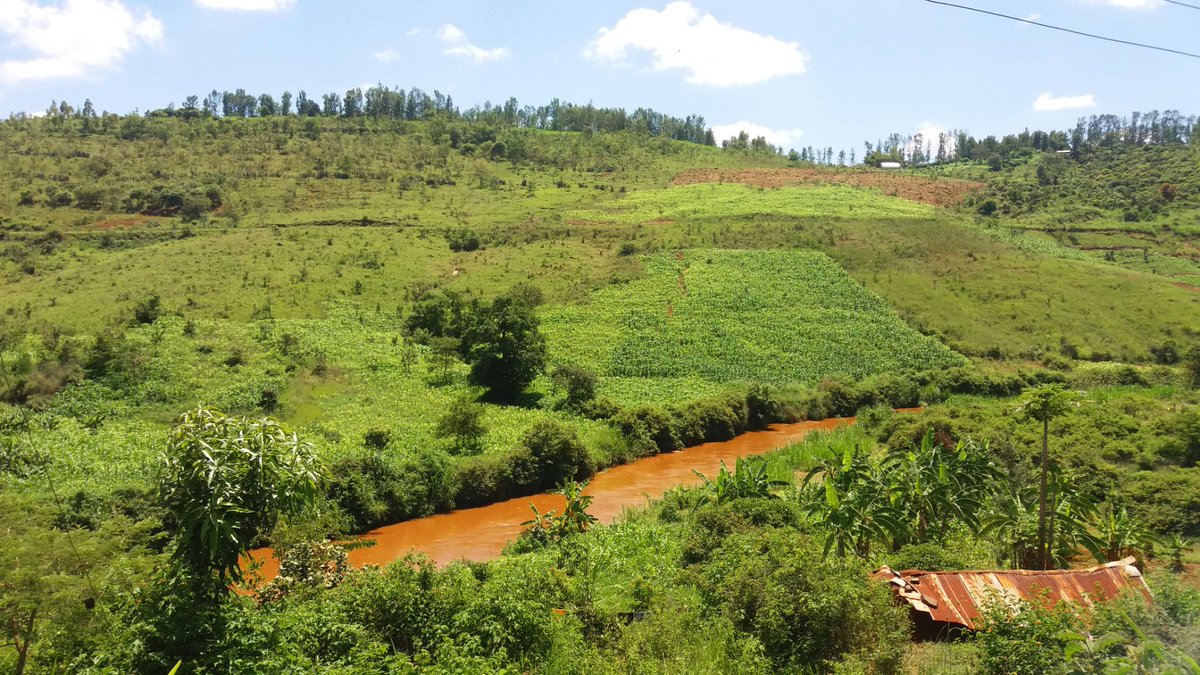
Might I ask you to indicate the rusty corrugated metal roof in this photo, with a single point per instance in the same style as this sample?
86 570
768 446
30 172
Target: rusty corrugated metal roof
958 597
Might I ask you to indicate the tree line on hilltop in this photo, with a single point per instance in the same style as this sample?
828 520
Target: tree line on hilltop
1090 134
382 102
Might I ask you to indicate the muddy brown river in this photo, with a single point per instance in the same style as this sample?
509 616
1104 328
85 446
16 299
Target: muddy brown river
481 533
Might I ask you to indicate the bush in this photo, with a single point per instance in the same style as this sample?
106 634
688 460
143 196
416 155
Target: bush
463 422
711 420
556 454
1028 641
147 310
377 439
578 382
762 408
373 491
806 610
1166 501
930 557
649 430
462 240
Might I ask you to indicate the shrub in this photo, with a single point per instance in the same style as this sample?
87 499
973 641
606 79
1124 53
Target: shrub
1165 353
649 430
1166 501
147 310
578 382
804 608
374 491
556 454
762 408
1027 641
377 439
462 240
930 557
463 422
711 420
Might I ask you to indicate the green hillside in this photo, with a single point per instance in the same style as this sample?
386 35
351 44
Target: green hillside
454 310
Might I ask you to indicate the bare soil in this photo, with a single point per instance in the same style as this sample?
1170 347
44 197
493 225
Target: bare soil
935 191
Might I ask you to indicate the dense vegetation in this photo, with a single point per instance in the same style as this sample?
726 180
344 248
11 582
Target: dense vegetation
447 308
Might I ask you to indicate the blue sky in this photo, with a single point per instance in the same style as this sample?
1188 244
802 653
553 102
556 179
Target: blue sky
820 72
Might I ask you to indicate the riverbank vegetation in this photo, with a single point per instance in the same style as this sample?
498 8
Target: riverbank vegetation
447 309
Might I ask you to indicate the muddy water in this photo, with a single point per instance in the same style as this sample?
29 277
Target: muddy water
481 533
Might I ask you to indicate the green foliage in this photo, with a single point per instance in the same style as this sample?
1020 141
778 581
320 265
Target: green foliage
463 422
148 309
748 480
226 480
1191 365
551 528
911 496
577 382
462 240
504 346
852 503
555 455
765 316
319 564
373 490
649 429
1024 637
1166 501
803 608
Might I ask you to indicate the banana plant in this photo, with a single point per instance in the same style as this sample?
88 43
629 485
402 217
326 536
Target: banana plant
853 504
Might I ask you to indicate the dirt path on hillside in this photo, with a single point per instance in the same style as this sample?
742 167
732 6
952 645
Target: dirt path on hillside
935 191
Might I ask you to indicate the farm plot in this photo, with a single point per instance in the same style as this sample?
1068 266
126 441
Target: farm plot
721 315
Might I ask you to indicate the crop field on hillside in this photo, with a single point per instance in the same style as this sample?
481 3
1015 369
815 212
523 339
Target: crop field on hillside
776 316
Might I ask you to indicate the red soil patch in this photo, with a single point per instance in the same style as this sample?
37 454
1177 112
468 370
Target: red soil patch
1186 287
938 192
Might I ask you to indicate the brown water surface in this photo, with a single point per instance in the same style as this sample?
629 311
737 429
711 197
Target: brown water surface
481 533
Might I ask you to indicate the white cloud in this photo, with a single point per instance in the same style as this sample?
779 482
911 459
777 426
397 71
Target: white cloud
685 38
457 44
387 56
247 5
931 138
76 39
1033 17
1047 103
783 137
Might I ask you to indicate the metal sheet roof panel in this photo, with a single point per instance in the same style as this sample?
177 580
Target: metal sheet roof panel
960 597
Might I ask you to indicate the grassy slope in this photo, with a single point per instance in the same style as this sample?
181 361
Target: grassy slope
938 272
1109 205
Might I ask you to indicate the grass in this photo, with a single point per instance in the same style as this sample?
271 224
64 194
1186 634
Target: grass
721 200
770 316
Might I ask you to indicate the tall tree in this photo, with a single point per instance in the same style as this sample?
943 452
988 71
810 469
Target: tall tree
504 346
1044 403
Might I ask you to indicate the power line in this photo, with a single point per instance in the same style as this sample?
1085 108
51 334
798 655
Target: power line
1068 30
1182 4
